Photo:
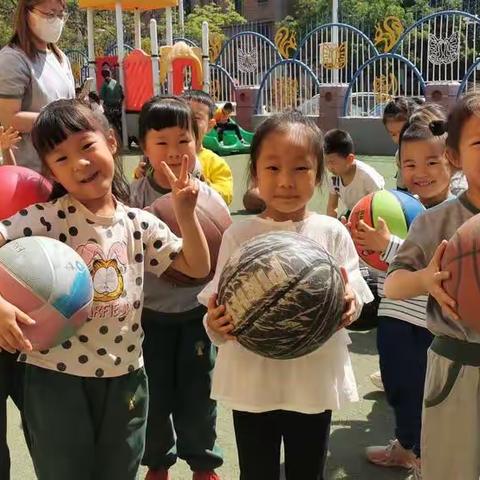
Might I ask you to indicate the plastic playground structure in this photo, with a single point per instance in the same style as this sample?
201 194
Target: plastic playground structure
169 70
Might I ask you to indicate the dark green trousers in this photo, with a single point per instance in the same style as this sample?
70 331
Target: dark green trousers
85 428
11 385
179 360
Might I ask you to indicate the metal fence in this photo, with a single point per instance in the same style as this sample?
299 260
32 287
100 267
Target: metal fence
289 84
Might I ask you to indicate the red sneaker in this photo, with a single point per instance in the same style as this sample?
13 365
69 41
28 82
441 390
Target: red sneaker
161 474
208 475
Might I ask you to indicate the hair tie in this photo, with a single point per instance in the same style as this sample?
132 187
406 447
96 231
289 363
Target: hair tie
438 127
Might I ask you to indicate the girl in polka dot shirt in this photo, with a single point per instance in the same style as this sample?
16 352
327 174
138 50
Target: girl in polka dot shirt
85 400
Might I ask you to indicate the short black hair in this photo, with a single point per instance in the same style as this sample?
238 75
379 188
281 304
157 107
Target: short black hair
339 142
202 97
165 112
400 108
228 106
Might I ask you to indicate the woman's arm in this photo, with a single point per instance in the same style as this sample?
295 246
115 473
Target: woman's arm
12 116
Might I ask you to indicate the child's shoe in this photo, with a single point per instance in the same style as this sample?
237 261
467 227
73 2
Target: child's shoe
376 379
207 475
416 471
392 455
161 474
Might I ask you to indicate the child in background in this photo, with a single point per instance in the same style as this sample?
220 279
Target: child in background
395 116
402 335
215 169
223 122
352 179
95 102
85 401
451 425
8 140
289 400
179 356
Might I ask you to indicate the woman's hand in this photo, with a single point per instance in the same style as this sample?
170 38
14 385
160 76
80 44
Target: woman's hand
373 239
432 278
184 190
350 309
11 336
217 321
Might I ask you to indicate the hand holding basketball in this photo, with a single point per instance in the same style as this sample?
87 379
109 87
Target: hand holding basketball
184 190
11 336
373 239
217 321
348 316
433 276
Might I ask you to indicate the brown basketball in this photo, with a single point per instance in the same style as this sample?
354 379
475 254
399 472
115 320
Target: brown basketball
462 260
214 218
252 201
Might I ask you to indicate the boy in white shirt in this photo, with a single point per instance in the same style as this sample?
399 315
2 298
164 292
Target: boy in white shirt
352 179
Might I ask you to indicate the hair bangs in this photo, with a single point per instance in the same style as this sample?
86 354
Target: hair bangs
60 119
159 113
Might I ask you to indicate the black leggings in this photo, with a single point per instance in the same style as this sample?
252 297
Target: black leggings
259 437
221 127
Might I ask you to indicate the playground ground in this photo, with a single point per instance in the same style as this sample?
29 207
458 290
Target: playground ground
368 422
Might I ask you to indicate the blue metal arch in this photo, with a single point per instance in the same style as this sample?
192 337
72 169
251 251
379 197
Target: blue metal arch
471 69
242 34
392 56
224 71
186 40
429 17
339 25
273 67
111 49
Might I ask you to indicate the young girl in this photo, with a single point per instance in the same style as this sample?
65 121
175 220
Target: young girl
395 116
289 400
85 401
402 336
179 356
450 423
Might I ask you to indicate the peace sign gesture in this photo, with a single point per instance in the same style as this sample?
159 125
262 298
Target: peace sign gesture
184 189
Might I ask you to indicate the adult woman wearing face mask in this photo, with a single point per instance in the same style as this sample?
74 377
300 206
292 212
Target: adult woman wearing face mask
33 70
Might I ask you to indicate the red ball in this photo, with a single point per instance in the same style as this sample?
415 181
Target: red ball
21 187
462 260
214 219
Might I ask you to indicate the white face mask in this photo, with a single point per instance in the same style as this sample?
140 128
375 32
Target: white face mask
45 29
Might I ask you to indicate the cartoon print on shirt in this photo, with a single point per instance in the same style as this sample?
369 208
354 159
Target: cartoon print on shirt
106 270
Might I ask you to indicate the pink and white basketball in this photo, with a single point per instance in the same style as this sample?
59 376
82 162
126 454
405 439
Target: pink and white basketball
50 282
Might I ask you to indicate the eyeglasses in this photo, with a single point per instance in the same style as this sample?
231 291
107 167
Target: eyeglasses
50 16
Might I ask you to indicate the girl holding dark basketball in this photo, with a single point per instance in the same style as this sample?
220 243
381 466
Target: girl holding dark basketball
85 401
179 356
285 400
402 335
451 422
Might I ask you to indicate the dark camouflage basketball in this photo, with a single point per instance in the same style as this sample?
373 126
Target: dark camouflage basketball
285 295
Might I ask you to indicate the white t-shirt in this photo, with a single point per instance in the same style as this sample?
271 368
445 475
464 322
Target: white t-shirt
365 181
118 250
313 383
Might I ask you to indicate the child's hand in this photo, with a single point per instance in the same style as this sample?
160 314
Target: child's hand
184 190
11 337
432 278
217 321
140 170
9 138
350 302
373 239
